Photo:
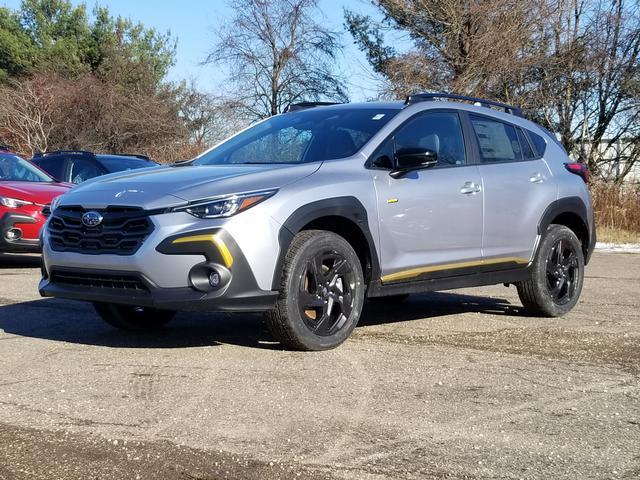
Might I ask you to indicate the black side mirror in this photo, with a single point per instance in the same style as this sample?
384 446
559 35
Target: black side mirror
409 159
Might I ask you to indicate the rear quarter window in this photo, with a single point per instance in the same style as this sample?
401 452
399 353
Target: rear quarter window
539 143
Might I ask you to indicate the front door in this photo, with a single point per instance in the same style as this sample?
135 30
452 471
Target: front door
430 220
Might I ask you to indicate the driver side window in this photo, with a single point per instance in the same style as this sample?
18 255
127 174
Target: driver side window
439 132
82 170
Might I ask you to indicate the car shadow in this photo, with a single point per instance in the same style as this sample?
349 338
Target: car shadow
435 304
21 260
77 322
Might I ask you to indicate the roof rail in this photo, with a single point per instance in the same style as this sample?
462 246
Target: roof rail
427 97
66 152
294 107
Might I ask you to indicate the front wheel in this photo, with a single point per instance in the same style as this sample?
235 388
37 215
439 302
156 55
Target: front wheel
557 274
126 317
321 292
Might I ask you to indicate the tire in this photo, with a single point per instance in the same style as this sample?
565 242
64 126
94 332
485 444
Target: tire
321 293
126 317
557 274
390 299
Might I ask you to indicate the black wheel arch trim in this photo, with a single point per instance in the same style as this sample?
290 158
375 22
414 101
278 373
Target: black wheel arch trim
573 205
347 207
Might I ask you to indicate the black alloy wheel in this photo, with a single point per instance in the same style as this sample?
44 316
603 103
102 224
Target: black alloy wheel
562 272
325 297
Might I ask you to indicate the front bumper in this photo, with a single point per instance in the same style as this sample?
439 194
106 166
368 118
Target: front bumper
20 245
169 271
236 299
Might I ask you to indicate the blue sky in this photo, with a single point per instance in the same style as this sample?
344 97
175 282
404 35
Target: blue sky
192 22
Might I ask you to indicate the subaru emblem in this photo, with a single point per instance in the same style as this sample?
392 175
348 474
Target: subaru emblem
92 219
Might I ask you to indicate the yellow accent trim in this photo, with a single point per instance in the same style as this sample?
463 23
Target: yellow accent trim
392 200
414 272
227 258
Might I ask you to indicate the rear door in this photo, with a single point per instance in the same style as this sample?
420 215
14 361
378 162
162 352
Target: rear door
518 187
430 220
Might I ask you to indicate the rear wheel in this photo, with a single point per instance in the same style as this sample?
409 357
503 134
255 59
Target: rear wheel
321 293
126 317
558 274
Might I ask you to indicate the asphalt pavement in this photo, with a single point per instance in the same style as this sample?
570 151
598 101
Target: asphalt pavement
458 384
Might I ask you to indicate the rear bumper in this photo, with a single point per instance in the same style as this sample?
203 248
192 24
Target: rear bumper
147 294
20 245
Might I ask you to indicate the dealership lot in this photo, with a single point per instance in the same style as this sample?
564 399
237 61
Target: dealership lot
448 385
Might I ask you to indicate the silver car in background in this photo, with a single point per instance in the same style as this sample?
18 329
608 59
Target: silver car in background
307 214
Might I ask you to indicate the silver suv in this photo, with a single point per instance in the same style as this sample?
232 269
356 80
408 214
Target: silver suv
307 214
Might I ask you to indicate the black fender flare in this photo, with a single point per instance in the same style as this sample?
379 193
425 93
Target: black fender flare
574 205
348 207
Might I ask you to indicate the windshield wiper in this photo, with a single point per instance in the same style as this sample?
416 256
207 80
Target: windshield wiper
182 163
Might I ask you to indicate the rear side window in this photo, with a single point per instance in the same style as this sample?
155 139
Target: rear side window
539 143
53 166
527 152
497 141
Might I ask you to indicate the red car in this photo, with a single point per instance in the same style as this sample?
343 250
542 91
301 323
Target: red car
25 191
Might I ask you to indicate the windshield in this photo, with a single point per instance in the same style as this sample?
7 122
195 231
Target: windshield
15 169
301 137
116 163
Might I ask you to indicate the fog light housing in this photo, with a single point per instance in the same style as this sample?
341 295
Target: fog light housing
13 234
209 277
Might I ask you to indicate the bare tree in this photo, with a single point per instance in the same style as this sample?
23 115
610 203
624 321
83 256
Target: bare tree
573 65
48 112
209 118
277 54
27 114
586 85
473 47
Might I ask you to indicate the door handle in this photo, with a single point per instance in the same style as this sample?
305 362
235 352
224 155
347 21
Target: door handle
470 188
536 178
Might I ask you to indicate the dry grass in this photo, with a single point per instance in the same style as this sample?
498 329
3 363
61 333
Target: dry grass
617 211
616 235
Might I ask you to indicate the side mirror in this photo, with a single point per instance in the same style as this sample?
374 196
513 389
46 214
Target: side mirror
409 159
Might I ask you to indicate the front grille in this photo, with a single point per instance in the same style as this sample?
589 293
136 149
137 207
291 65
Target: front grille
121 281
121 232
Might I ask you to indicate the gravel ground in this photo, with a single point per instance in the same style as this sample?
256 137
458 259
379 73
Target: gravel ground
457 384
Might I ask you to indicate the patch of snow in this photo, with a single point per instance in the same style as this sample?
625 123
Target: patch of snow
618 247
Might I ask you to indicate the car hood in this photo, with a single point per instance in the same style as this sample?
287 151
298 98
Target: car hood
36 192
163 187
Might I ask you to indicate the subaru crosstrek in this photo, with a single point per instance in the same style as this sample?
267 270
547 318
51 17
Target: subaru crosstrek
308 213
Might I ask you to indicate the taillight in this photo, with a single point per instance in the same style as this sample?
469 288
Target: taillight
579 169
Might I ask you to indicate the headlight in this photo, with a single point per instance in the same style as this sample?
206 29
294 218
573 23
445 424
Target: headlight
225 206
13 202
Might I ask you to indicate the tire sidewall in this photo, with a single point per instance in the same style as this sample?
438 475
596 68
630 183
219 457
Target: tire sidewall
322 242
553 235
